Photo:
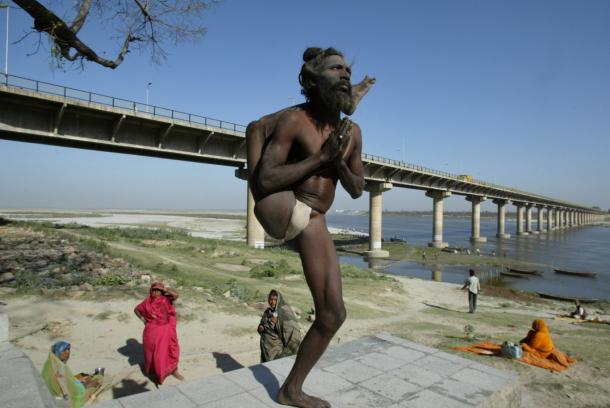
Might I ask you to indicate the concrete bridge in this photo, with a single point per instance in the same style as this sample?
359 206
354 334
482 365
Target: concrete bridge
39 112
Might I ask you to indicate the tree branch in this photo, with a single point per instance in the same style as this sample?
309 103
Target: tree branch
79 20
64 38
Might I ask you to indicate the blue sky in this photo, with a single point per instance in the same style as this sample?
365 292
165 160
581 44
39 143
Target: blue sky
513 92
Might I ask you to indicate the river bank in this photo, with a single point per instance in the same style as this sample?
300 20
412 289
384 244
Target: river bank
223 285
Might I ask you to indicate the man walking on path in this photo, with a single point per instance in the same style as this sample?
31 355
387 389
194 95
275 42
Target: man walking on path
472 283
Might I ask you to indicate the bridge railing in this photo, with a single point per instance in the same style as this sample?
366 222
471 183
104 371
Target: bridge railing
92 97
456 177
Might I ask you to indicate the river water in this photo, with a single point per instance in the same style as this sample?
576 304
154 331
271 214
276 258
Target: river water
581 249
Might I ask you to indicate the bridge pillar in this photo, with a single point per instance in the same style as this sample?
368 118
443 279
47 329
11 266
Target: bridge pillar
255 234
558 216
375 219
528 218
475 229
437 217
574 221
520 214
540 221
549 219
501 232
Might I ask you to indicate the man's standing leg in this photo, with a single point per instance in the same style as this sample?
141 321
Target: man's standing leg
470 302
474 302
321 268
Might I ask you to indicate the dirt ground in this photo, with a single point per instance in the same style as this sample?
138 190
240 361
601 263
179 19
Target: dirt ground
107 334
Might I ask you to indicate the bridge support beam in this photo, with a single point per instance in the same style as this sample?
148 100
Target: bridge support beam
501 232
528 218
520 215
255 234
573 218
540 220
375 219
475 229
549 219
437 217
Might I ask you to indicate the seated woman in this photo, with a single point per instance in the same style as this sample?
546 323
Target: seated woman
538 340
539 344
62 383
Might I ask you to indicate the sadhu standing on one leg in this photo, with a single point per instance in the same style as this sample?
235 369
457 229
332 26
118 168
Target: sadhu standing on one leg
160 339
296 157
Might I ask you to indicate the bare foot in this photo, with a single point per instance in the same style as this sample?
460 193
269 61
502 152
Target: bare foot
358 92
300 399
178 376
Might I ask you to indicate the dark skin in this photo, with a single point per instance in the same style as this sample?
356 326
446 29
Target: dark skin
304 158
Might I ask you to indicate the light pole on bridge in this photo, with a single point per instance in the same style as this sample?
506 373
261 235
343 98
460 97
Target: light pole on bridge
6 6
147 94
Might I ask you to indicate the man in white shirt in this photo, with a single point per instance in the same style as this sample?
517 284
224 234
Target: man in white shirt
472 283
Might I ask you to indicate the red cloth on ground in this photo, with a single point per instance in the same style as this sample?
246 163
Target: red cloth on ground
160 339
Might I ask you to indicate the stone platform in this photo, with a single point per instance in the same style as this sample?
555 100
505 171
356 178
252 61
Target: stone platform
381 371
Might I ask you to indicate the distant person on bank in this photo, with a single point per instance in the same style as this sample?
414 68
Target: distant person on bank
474 287
160 339
579 312
279 329
62 383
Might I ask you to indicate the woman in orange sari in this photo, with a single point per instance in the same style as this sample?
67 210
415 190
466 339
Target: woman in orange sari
160 340
539 344
538 340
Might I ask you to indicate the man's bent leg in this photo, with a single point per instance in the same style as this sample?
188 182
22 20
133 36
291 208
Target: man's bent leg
274 212
321 268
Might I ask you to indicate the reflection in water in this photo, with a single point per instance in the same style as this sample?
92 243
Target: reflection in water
437 273
376 263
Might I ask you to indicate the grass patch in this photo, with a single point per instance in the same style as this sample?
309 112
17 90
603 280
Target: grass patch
103 315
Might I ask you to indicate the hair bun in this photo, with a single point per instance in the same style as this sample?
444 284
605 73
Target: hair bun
310 53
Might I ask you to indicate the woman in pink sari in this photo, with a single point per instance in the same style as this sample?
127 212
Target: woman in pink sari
161 349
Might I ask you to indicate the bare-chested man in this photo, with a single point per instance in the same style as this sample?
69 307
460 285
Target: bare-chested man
295 157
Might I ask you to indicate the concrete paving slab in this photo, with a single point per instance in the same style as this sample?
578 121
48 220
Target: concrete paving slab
244 400
428 399
463 392
417 375
358 397
439 365
390 387
161 398
353 371
209 389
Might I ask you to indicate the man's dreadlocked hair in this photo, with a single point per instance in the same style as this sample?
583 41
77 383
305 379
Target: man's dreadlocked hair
312 60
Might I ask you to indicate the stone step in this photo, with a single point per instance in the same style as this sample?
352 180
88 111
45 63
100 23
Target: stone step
378 371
